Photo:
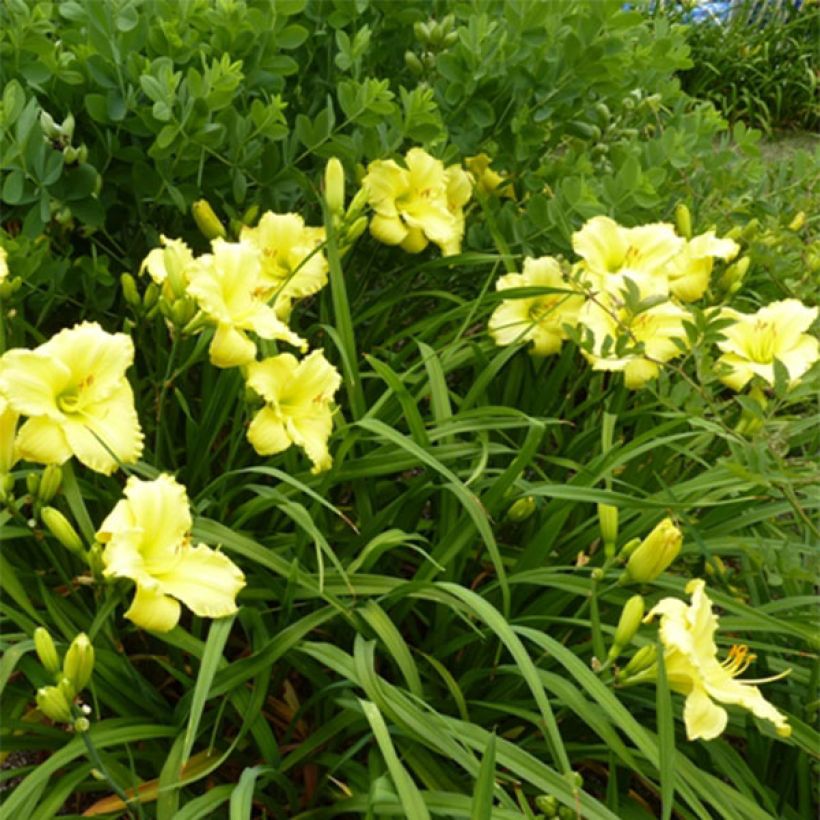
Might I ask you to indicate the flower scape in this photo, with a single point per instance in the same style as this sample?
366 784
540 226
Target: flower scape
417 464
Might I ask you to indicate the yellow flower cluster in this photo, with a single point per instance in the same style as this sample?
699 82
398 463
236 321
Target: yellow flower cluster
250 286
627 295
418 203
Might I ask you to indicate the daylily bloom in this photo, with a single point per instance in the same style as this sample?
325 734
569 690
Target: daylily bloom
231 291
292 267
298 396
147 539
690 270
412 205
656 328
8 431
74 391
486 180
539 318
642 254
172 262
692 667
776 331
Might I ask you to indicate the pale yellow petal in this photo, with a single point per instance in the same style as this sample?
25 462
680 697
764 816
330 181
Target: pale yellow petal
153 610
107 433
739 374
801 356
388 229
121 556
638 371
316 380
42 440
415 241
311 432
31 382
601 242
271 376
205 580
704 719
267 433
230 347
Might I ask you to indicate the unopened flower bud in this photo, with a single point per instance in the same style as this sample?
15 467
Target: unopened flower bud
249 217
335 186
654 554
129 290
734 275
357 204
78 663
32 484
521 509
413 63
53 704
547 803
683 220
46 651
67 126
48 125
182 312
628 624
628 548
70 154
206 220
608 522
82 724
151 295
58 525
356 229
642 659
50 480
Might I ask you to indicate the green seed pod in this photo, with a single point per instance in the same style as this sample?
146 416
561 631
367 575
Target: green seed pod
53 704
59 526
46 651
50 480
207 221
78 663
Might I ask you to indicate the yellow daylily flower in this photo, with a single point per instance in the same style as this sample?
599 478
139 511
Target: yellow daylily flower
690 270
656 327
74 391
486 180
692 667
412 205
231 291
291 264
642 254
298 397
4 265
541 318
8 433
776 331
174 261
147 539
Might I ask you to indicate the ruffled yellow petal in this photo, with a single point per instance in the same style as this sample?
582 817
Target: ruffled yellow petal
151 609
311 431
415 241
205 580
388 229
8 433
32 381
602 243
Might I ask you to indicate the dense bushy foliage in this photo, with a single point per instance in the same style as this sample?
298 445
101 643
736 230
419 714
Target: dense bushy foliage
462 558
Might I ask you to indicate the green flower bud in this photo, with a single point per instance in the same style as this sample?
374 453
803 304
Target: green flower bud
46 651
628 624
641 660
151 295
654 554
422 31
48 125
58 525
78 663
53 704
50 480
357 204
608 522
129 290
249 217
734 275
547 803
683 219
206 220
521 509
335 186
183 311
32 484
70 154
413 63
67 126
82 724
356 230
